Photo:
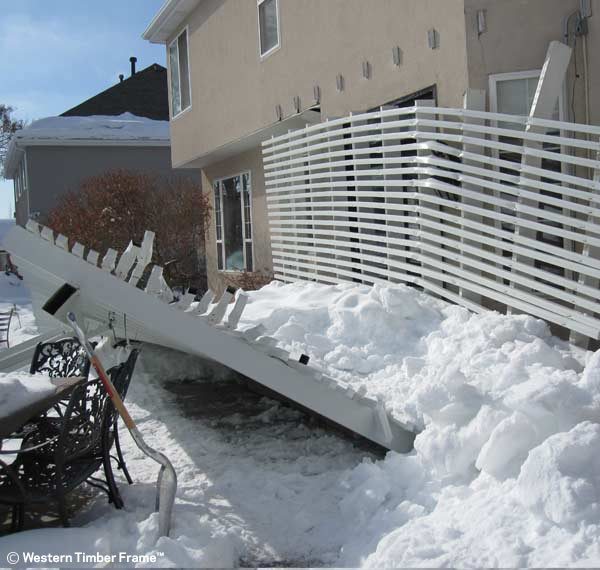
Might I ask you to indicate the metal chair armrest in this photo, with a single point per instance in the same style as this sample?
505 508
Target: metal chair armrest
27 449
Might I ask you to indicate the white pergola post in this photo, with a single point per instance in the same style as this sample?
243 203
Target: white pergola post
544 103
473 100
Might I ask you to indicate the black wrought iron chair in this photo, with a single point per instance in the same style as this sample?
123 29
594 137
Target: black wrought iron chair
64 452
5 319
66 357
62 358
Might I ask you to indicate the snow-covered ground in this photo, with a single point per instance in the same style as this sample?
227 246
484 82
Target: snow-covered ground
14 294
505 472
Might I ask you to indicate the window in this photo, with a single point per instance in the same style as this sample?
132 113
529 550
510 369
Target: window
20 181
268 26
233 221
181 97
513 93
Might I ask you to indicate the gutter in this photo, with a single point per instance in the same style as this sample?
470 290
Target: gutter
168 19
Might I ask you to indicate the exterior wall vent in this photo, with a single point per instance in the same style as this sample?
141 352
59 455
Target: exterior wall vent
317 94
433 38
397 56
366 70
339 82
481 21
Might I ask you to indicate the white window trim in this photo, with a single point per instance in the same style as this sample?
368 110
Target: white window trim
245 240
276 47
531 74
187 42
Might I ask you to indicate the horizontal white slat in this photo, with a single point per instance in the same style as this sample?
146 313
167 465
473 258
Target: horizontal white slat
425 196
505 240
460 259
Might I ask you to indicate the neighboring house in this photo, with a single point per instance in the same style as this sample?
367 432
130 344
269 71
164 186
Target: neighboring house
124 127
54 155
243 71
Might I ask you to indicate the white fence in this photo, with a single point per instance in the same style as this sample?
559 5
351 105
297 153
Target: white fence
482 209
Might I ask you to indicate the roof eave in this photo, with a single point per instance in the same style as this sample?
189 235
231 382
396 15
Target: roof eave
168 20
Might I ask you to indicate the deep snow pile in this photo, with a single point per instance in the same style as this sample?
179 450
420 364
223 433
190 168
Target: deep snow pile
505 472
506 469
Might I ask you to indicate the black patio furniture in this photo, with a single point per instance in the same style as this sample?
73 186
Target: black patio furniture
5 319
12 424
61 358
65 451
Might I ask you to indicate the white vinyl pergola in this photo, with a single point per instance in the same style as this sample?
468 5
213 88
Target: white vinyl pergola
482 209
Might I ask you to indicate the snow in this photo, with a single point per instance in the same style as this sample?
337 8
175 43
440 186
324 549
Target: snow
126 127
505 471
5 226
18 390
14 294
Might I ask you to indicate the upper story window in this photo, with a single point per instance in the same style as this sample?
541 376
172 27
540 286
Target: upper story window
268 26
181 97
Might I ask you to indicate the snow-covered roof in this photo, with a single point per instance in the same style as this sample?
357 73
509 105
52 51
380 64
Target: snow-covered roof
168 20
120 130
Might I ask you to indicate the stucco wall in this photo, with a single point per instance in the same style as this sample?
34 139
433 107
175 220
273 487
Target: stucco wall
234 93
252 161
593 48
56 170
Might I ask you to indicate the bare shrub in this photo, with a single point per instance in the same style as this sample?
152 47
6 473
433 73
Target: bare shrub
250 280
111 209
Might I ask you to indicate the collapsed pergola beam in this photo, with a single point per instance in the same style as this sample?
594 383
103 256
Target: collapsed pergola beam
209 330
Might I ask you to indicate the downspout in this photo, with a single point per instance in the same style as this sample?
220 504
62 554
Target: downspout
25 166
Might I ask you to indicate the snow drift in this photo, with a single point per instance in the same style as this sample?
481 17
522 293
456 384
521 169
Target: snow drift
505 470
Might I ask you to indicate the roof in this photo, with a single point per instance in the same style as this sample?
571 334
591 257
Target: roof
169 19
144 94
121 130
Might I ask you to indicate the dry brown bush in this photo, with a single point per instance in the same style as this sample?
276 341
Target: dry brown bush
250 280
111 209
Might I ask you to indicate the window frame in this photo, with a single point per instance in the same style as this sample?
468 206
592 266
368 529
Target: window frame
220 243
496 78
175 40
277 46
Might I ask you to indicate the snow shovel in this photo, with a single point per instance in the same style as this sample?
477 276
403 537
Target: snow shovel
167 478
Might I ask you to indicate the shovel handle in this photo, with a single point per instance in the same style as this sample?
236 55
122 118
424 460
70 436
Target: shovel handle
104 378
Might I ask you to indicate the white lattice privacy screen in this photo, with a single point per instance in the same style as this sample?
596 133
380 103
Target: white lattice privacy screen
481 209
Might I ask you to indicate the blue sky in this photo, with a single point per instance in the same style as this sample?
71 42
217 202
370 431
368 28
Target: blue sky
58 53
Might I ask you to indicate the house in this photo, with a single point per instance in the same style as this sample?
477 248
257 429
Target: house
124 127
143 94
242 72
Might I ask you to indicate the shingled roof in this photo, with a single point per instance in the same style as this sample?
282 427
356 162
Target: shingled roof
143 94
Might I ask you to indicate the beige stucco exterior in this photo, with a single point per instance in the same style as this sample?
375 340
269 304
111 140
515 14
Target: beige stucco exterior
235 92
248 161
